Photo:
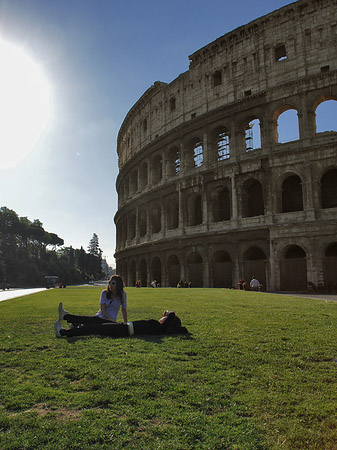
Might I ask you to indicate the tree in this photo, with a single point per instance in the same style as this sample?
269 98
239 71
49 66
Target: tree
93 247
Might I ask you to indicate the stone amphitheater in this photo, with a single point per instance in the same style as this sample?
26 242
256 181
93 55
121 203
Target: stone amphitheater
211 188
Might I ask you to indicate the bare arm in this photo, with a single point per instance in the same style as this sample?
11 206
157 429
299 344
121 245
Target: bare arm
105 312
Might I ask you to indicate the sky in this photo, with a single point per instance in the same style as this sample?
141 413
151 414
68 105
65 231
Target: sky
97 58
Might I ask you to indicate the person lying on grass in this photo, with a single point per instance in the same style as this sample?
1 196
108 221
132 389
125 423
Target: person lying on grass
169 323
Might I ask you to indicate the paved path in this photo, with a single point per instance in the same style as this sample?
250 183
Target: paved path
14 293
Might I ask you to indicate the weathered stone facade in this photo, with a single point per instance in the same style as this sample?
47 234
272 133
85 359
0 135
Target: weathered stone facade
207 192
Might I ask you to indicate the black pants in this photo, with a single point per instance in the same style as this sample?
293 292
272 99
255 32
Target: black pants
85 320
102 328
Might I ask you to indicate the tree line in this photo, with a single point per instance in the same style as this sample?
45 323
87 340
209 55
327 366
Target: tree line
28 253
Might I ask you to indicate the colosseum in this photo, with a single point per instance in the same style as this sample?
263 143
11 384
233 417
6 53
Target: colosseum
211 186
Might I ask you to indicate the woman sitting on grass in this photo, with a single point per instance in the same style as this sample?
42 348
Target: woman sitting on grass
169 323
112 299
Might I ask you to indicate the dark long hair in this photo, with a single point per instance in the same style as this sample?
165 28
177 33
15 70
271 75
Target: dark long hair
119 288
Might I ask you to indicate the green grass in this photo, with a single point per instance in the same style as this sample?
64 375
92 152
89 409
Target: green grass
257 372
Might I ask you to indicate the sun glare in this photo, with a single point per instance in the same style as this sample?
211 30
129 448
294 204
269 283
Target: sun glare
24 105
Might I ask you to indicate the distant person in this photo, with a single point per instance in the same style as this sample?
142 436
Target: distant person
138 284
240 284
180 284
254 284
154 284
169 323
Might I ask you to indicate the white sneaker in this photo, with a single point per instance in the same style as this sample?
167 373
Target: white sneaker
62 312
58 328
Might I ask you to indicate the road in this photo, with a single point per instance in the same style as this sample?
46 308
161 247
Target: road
14 293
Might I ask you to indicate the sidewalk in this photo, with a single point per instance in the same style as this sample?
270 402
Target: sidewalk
17 292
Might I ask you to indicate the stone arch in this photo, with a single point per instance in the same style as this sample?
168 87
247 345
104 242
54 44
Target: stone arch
286 125
143 272
134 182
132 225
195 269
330 267
156 169
292 196
155 218
132 273
142 222
220 204
172 212
143 175
222 270
252 198
156 270
325 122
254 264
194 209
173 161
197 151
173 266
221 139
329 189
293 269
253 135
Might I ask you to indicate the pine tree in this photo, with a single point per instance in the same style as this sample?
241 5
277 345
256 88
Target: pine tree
93 247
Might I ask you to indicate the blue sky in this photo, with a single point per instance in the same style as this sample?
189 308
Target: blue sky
99 57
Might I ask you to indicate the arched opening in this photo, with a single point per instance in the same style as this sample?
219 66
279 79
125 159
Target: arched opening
198 153
143 272
222 270
222 140
329 189
173 161
142 223
195 210
157 169
330 268
326 116
172 213
134 182
173 270
293 270
287 126
156 219
132 274
292 198
132 226
253 135
254 265
221 205
143 175
252 201
195 270
156 270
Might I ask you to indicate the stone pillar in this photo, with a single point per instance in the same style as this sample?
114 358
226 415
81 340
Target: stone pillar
234 201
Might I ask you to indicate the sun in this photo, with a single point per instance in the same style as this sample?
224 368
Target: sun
25 105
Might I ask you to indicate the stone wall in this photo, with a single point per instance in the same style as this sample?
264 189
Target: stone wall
207 190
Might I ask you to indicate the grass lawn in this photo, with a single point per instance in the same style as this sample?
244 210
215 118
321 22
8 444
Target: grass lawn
258 371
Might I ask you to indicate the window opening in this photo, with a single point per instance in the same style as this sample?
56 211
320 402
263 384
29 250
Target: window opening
198 154
223 145
326 116
217 78
172 104
287 126
252 135
280 53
